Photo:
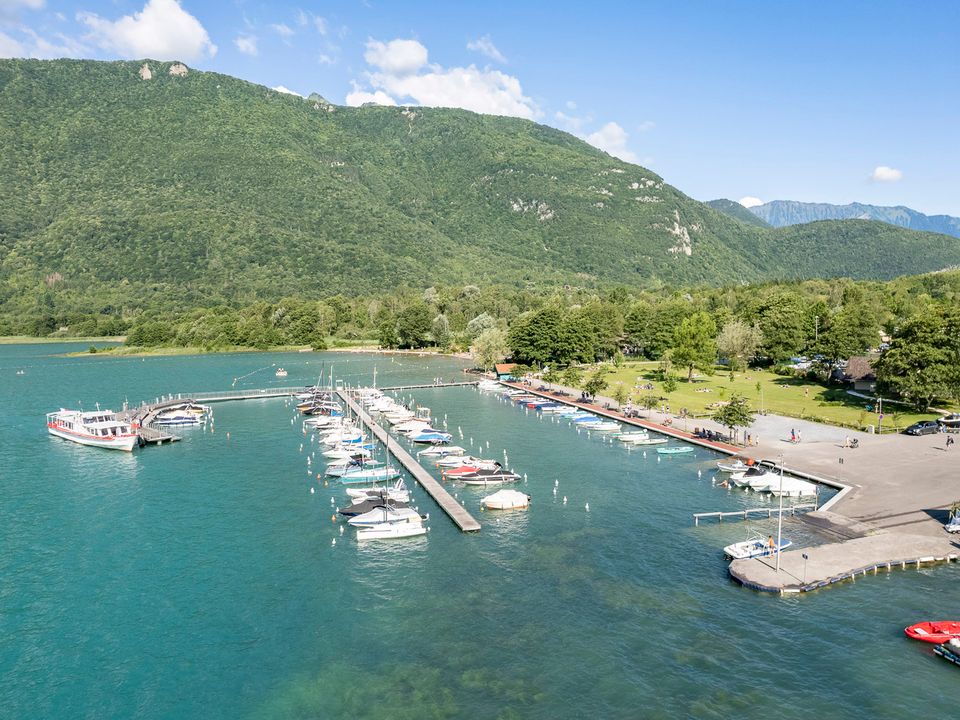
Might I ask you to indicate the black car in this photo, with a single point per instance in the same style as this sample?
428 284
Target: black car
924 427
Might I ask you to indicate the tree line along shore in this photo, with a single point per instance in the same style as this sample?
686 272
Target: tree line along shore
909 328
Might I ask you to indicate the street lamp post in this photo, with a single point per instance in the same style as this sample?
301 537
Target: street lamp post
780 515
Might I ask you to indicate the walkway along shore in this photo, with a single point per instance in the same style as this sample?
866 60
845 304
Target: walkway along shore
889 513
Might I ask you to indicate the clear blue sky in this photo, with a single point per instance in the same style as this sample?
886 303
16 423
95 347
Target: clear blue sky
832 101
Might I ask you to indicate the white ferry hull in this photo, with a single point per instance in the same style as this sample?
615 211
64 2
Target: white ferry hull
120 442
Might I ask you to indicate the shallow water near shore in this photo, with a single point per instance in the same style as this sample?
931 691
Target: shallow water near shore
200 579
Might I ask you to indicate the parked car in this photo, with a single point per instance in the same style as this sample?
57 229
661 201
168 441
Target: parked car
924 427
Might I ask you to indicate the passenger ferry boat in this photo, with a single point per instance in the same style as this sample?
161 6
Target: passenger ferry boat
99 429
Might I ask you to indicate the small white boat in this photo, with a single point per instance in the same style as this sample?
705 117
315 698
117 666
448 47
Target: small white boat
755 546
792 487
604 426
754 472
97 429
650 441
280 372
398 492
442 451
177 417
735 466
506 500
345 452
387 515
488 385
390 531
633 435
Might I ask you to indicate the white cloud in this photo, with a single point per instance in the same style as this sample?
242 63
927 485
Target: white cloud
485 46
882 173
571 105
11 48
572 123
749 202
360 97
325 59
320 24
162 30
646 126
247 44
282 29
397 57
10 8
287 91
403 75
613 139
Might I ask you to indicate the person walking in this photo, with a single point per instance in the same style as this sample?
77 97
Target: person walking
949 441
793 435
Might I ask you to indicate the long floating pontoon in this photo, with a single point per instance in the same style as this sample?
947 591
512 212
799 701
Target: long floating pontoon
464 520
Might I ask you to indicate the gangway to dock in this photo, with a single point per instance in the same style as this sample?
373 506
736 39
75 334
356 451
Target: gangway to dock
746 513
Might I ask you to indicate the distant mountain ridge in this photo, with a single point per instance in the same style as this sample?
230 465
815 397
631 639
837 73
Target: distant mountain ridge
781 213
738 211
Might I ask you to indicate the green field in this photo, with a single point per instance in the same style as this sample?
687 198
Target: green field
789 396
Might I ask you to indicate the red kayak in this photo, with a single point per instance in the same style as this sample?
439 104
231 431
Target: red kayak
934 632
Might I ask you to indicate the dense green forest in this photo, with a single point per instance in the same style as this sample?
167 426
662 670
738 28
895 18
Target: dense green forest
123 195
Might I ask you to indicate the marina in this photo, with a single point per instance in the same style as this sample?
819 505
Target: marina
204 544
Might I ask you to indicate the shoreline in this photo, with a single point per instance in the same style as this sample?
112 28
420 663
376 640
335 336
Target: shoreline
896 526
29 340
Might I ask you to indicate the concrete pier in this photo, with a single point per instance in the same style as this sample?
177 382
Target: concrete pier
464 520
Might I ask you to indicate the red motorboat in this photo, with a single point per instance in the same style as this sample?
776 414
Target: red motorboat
462 470
939 631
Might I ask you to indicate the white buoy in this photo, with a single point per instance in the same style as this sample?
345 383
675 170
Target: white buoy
587 507
488 444
564 499
644 453
333 542
312 490
341 529
301 447
556 482
699 473
332 501
554 492
713 479
658 458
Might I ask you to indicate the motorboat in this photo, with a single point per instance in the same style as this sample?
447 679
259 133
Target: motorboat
441 451
937 631
950 423
585 418
430 436
339 467
734 466
387 514
743 478
949 651
398 491
604 426
364 474
280 372
365 505
488 385
412 425
472 464
177 418
496 476
506 500
675 450
455 461
792 487
755 546
347 452
632 435
388 531
100 428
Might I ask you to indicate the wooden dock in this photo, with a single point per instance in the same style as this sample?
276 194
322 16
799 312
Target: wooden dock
464 520
746 513
396 388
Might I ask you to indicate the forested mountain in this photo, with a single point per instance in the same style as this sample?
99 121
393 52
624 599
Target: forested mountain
136 184
738 211
780 213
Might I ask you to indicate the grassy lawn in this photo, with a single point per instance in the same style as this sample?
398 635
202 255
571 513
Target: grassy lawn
789 396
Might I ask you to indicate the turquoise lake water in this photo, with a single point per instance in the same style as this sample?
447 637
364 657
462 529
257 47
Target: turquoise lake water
199 580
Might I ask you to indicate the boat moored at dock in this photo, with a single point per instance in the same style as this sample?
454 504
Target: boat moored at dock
100 428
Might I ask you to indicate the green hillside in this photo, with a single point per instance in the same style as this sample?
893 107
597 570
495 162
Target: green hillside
196 188
738 211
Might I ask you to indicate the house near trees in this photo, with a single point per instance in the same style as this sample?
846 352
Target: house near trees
504 370
860 373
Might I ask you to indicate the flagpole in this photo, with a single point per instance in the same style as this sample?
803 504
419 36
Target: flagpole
780 515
